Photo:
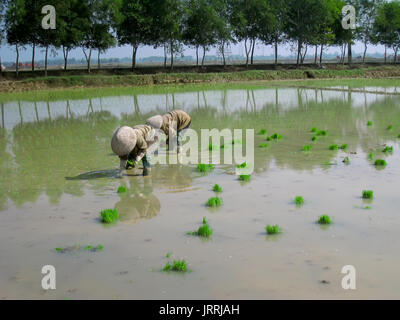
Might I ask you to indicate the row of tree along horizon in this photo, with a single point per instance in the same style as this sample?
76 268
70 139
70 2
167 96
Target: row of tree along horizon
97 25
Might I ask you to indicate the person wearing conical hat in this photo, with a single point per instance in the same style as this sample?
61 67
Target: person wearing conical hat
132 145
172 124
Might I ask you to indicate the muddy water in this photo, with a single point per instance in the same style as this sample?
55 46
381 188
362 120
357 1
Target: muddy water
57 173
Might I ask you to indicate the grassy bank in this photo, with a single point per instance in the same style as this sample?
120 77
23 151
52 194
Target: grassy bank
133 80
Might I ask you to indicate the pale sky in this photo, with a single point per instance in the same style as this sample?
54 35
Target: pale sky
8 54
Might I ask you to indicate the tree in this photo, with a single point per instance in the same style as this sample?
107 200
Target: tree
133 24
250 20
167 26
387 27
15 28
2 13
367 11
304 20
200 26
223 27
69 22
274 33
46 38
96 25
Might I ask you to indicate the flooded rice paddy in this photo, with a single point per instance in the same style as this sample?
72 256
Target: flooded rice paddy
58 172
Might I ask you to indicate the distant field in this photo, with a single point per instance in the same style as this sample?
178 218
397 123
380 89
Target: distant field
148 76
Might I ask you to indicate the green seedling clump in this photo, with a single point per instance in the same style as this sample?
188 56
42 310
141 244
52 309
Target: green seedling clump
314 138
214 202
322 133
205 167
122 189
91 248
262 132
205 220
371 156
242 166
204 231
307 148
264 145
217 188
273 229
390 127
346 160
276 136
388 149
299 200
109 215
367 194
398 136
380 162
324 219
344 146
314 129
369 123
245 177
177 265
334 147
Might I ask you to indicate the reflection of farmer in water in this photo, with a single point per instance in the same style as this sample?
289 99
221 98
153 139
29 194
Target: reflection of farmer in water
138 203
134 144
172 124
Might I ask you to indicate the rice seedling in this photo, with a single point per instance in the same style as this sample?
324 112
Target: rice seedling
367 194
168 255
314 138
205 220
262 132
204 231
390 128
369 123
205 167
307 148
177 265
388 149
94 249
299 200
322 133
242 165
324 219
346 160
264 145
214 202
217 188
313 129
344 146
276 136
380 162
109 215
245 177
273 229
398 136
122 189
334 147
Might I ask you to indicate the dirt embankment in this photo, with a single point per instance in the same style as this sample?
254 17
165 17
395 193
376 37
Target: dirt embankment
75 79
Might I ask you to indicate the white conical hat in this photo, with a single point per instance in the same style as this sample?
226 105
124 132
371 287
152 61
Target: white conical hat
123 141
155 122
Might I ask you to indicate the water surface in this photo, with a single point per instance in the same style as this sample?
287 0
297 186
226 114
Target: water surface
58 172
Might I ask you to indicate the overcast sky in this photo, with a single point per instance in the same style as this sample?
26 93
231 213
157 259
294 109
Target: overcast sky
8 53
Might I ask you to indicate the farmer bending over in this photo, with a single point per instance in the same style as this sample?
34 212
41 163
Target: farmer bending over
172 124
132 145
